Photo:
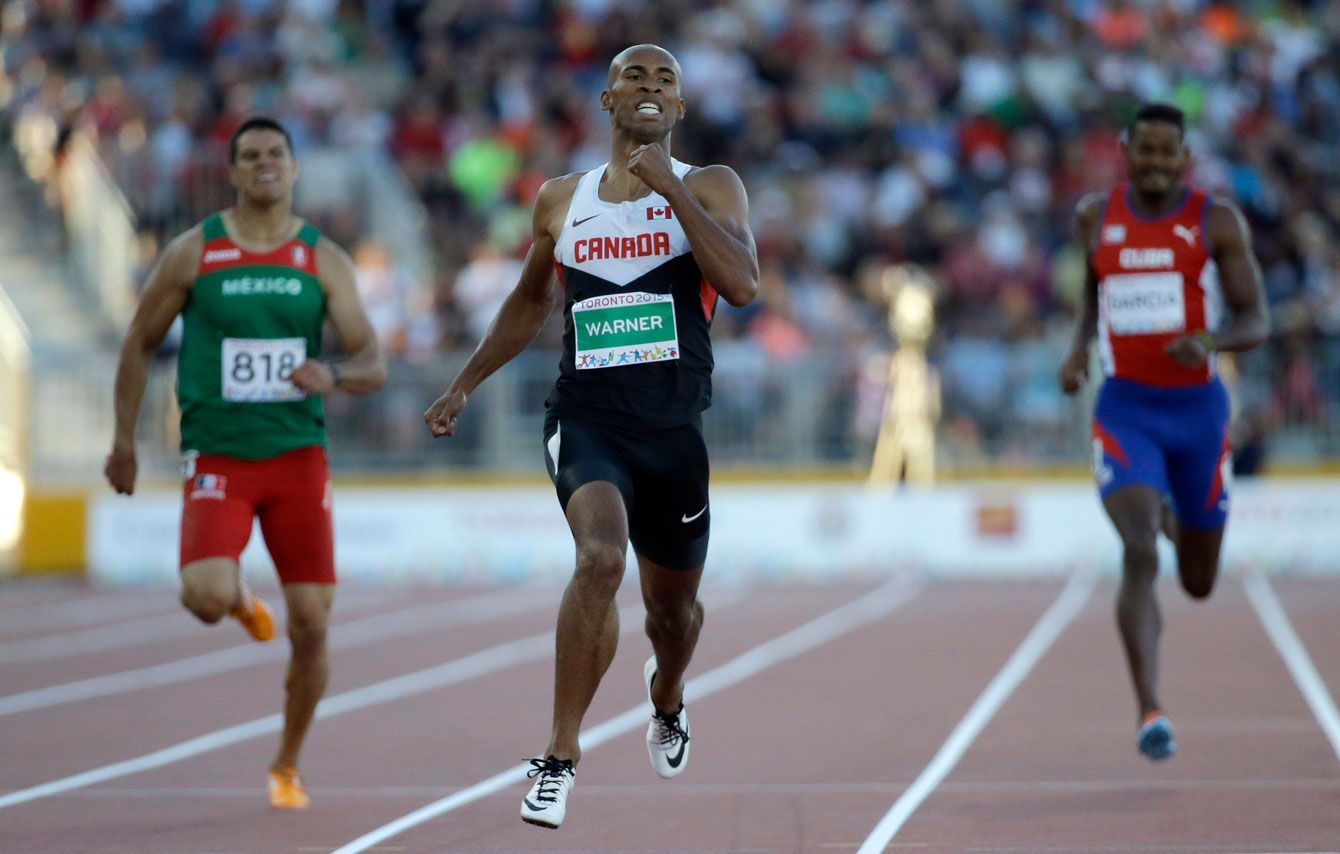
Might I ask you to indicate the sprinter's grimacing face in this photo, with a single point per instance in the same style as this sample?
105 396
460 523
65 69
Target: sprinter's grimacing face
643 95
264 168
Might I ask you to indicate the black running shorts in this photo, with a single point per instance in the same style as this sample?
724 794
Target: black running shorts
661 473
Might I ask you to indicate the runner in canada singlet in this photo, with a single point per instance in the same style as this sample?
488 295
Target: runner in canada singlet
636 313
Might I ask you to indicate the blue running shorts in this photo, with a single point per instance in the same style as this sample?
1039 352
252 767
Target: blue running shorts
1172 439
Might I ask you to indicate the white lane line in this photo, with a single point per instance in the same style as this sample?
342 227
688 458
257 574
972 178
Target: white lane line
98 608
1291 649
1044 633
134 633
762 790
139 632
870 607
478 609
480 663
109 605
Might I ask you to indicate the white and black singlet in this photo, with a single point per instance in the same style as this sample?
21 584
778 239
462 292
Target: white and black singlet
636 312
636 372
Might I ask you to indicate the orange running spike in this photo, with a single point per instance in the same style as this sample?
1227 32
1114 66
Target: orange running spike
254 615
286 791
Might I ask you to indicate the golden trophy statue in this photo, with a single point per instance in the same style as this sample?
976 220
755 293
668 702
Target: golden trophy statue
905 448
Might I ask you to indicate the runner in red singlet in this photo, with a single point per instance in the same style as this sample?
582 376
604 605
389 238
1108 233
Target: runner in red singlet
1165 260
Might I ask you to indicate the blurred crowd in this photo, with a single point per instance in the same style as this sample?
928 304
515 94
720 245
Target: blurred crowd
956 135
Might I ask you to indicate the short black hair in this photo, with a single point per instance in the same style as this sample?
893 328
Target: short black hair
1160 112
256 123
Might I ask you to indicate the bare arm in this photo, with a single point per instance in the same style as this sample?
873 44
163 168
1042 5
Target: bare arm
1230 245
521 316
713 210
1240 276
1075 369
165 294
365 369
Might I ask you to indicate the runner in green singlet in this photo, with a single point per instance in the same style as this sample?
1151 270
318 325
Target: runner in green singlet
254 286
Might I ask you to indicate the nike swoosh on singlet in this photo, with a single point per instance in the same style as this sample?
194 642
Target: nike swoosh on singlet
686 518
577 222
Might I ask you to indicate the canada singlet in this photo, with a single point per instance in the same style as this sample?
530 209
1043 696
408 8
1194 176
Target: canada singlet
1156 281
636 312
249 321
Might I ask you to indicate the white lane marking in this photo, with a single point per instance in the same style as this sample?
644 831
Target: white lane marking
870 607
769 790
1291 649
134 633
1044 633
107 606
480 663
477 609
99 608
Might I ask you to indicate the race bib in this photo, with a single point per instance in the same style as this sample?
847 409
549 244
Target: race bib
256 370
624 329
1145 303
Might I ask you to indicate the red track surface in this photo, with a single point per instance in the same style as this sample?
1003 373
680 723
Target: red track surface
806 755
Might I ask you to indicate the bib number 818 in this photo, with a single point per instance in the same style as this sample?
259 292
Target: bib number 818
257 370
245 366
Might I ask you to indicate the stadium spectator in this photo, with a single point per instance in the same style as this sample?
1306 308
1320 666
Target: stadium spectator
957 135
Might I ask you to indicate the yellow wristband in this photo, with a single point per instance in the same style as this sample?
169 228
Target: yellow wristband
1207 339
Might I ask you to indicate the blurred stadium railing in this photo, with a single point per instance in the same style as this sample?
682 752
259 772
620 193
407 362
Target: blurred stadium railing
766 418
100 227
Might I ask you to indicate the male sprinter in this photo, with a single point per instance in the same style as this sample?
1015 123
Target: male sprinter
254 284
642 246
1163 259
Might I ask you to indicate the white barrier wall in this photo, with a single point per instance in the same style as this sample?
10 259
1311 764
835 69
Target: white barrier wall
773 531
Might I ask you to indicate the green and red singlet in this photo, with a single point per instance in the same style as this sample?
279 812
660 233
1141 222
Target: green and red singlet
249 321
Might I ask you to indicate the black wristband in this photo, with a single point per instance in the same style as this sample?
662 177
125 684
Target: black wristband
334 373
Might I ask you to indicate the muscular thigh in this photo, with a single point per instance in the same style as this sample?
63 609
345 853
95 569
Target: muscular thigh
296 517
219 499
672 519
1199 461
579 452
1124 455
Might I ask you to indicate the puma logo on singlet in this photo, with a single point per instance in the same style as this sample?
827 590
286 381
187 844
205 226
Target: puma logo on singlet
216 255
1187 234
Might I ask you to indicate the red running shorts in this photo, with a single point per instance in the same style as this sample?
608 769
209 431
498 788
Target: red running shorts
290 494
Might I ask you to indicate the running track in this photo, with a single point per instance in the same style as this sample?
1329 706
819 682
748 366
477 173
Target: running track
908 716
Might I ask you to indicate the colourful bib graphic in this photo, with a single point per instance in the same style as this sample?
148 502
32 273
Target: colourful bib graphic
624 329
